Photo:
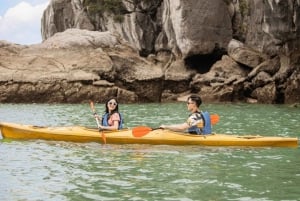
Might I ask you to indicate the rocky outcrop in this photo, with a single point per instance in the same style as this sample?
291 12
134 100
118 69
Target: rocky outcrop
160 50
76 66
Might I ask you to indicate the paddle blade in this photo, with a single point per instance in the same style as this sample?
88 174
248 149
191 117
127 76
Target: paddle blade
141 131
103 137
214 118
92 106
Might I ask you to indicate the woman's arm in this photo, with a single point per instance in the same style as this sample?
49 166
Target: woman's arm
114 122
115 126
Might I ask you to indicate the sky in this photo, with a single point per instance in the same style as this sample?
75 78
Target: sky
20 20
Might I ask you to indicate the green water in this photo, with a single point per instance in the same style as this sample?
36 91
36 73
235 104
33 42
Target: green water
44 170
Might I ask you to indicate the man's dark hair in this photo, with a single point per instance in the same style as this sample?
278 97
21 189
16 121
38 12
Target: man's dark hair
196 99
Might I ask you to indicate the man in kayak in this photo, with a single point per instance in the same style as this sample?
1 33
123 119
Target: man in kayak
112 119
198 122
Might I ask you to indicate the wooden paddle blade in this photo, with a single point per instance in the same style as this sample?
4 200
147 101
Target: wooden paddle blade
92 106
141 131
103 137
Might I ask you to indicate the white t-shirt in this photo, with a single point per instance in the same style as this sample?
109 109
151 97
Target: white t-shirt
194 119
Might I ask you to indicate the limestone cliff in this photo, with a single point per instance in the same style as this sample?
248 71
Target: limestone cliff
184 28
159 50
198 32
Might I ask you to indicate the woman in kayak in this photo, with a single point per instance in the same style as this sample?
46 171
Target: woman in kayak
197 117
112 119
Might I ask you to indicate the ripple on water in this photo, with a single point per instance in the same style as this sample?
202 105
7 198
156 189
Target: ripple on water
42 170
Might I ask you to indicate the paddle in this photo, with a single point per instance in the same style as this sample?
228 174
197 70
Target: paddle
97 120
144 130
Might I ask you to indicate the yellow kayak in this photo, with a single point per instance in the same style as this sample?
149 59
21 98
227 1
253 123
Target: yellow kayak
125 136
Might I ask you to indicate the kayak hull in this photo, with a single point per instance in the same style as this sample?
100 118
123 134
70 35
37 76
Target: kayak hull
159 136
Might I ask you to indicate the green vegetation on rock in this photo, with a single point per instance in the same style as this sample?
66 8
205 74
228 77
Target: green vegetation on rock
98 7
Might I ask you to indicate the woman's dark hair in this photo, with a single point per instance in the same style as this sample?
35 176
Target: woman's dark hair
196 99
116 108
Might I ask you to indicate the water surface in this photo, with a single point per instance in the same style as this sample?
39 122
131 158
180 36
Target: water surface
48 170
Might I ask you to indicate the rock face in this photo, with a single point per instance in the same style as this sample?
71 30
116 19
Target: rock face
158 50
77 66
183 27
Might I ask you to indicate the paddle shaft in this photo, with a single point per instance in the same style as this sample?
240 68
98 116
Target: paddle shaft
144 130
95 113
97 121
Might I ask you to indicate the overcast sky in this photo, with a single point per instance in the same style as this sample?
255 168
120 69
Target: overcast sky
20 21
